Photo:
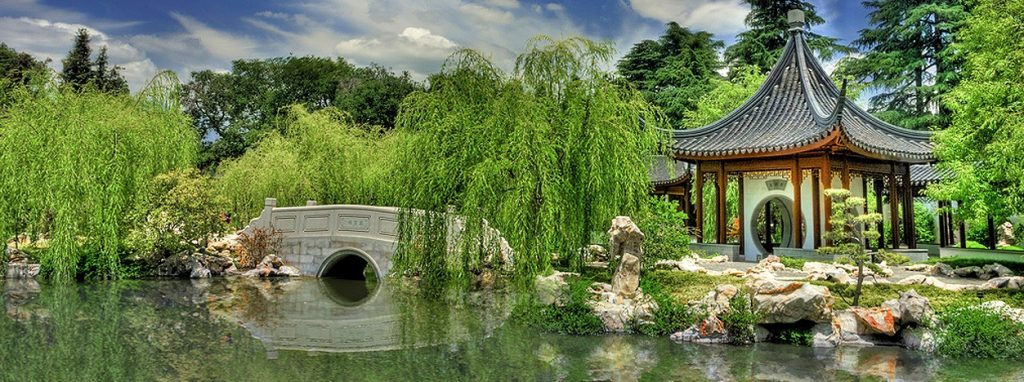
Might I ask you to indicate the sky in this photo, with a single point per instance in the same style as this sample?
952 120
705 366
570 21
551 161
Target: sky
144 37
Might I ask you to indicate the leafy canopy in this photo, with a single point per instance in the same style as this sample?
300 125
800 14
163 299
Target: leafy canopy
910 59
984 145
674 71
762 44
73 164
547 155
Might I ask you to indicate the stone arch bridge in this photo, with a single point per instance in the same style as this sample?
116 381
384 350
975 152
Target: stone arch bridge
332 240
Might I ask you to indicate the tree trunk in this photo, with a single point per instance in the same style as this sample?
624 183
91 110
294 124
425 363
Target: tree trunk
860 283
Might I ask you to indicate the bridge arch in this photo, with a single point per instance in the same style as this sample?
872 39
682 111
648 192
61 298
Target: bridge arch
349 264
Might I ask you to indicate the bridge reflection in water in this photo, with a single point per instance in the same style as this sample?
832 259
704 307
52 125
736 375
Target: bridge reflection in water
337 316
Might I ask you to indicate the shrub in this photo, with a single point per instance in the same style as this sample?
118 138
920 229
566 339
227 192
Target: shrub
801 337
575 317
792 262
182 212
740 319
974 331
924 226
257 245
665 231
671 315
891 258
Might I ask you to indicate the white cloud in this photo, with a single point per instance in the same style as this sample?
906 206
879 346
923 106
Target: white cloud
724 18
508 4
554 7
485 14
46 39
423 37
218 43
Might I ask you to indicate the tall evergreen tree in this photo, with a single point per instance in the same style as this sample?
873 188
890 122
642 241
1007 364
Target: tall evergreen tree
910 59
674 71
107 78
762 44
77 71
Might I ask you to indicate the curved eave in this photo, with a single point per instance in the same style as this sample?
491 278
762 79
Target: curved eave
836 136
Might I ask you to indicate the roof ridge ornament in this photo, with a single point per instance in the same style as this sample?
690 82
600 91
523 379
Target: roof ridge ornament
796 20
837 113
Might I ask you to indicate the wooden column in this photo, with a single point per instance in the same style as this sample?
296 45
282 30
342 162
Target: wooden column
796 177
991 233
721 208
943 241
963 232
826 182
878 208
700 202
894 209
816 210
739 211
909 229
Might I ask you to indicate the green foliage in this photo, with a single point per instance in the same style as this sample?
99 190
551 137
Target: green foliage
971 244
924 223
910 59
974 331
674 71
891 258
235 110
182 212
547 155
665 231
740 319
724 97
320 156
575 317
799 337
792 263
984 145
74 164
1011 248
670 316
850 233
762 43
17 68
79 72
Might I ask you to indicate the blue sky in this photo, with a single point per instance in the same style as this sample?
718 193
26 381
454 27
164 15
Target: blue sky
405 35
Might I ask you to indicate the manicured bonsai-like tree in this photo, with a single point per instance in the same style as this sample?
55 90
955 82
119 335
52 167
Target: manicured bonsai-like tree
850 232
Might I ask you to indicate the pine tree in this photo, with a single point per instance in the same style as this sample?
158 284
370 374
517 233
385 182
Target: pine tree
674 71
106 78
910 59
762 44
77 70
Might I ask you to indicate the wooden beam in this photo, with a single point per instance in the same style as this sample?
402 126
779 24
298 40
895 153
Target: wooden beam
796 177
722 209
816 210
700 202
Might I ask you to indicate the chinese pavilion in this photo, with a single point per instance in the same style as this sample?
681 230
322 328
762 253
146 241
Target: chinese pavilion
795 137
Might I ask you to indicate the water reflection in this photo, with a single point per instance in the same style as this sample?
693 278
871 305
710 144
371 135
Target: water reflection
268 329
349 292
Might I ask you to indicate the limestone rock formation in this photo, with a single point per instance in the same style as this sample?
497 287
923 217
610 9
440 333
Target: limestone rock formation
782 302
624 237
627 276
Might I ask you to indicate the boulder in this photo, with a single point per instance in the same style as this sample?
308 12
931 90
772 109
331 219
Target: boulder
290 271
22 271
771 263
199 272
711 330
271 261
917 268
920 339
1009 282
596 253
627 276
928 280
826 272
994 270
552 289
789 302
686 264
875 320
914 309
847 329
716 302
616 316
824 336
942 269
968 272
624 237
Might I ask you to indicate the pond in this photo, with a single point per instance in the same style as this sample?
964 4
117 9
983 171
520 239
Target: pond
308 329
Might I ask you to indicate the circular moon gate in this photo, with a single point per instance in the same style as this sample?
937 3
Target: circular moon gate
772 224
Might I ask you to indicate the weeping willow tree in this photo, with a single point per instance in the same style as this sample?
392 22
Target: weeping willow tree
547 155
73 164
320 156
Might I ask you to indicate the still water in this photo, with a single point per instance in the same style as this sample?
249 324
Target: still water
311 330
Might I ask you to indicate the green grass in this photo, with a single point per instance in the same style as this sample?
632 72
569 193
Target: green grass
1011 248
973 331
940 299
689 286
792 262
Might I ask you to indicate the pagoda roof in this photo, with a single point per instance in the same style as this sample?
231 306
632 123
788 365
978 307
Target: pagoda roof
798 109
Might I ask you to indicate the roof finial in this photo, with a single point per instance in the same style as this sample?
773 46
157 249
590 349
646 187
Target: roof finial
796 20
